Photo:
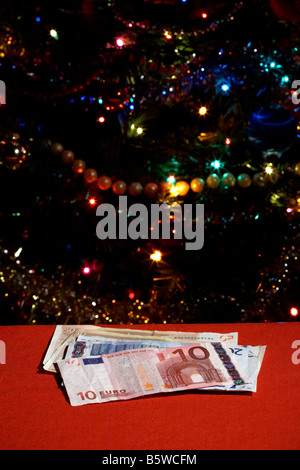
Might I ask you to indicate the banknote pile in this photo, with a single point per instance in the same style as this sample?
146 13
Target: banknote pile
99 364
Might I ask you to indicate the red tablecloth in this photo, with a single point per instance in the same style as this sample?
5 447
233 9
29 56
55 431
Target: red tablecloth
36 415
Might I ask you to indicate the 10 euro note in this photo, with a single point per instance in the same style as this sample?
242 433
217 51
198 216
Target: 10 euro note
141 372
248 357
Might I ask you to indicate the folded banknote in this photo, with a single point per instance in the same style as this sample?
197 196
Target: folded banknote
132 373
66 334
248 357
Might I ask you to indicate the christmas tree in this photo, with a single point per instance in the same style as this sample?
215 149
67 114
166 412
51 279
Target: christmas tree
164 101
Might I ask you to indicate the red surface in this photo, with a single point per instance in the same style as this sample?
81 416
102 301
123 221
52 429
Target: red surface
36 415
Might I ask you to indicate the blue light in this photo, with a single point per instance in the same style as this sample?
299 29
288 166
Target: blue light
38 19
131 106
164 92
285 79
272 64
225 87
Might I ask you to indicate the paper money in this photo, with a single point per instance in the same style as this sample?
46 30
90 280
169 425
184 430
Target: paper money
91 346
129 374
66 334
249 358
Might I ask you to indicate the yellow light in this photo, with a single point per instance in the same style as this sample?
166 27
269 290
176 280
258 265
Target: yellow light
139 130
202 110
269 170
174 191
18 252
53 33
156 256
294 311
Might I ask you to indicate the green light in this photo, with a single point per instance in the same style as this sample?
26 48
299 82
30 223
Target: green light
171 179
216 164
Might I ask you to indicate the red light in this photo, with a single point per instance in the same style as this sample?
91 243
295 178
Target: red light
294 311
86 270
92 201
204 15
101 119
227 141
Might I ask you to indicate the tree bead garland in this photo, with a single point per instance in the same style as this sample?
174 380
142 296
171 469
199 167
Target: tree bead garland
79 166
213 181
104 182
179 188
197 185
67 156
151 190
90 175
119 187
244 180
182 187
228 179
135 189
57 148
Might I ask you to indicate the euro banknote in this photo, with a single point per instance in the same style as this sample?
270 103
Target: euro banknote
66 334
248 357
128 374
